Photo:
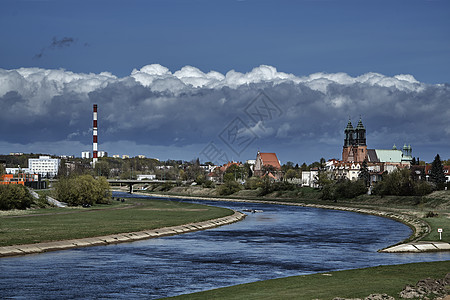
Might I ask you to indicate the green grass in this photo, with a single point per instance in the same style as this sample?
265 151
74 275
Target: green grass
440 221
347 284
71 223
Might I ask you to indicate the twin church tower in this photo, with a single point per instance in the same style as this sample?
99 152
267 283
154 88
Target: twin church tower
355 148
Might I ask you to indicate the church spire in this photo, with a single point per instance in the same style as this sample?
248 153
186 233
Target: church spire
360 133
349 132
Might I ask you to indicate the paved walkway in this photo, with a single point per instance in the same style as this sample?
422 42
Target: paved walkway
118 238
422 246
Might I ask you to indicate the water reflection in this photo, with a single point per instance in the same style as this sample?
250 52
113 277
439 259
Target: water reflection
281 241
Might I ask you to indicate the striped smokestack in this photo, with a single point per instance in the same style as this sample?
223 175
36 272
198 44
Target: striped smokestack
94 144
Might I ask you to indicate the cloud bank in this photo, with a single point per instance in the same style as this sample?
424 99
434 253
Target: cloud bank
165 114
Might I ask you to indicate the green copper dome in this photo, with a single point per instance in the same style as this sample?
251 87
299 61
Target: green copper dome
360 125
349 126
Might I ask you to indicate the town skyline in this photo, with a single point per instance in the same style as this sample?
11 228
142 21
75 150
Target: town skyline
186 79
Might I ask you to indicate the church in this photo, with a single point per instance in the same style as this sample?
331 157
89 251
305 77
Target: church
355 149
355 152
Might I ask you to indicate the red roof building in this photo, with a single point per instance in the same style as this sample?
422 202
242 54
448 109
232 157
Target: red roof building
268 164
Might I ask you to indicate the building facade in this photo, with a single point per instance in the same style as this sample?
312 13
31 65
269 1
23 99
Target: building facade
267 164
44 166
355 152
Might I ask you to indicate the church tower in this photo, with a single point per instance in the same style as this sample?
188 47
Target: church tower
355 148
349 134
360 134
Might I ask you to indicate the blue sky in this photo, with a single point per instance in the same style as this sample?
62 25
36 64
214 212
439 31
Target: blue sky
299 38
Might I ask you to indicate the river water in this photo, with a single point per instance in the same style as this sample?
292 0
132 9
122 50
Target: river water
281 241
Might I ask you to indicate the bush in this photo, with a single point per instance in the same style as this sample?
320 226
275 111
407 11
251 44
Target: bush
166 186
201 179
424 188
83 190
431 214
252 183
343 189
400 183
208 184
15 196
228 188
42 202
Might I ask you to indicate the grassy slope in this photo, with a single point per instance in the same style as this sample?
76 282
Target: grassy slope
79 223
349 284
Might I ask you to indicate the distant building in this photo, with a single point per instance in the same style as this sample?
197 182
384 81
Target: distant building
15 171
44 166
208 168
355 152
146 177
140 156
424 172
102 154
125 156
355 149
268 164
86 154
309 178
116 156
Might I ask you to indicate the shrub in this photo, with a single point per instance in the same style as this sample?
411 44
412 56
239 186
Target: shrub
228 188
343 189
83 190
400 183
252 183
431 214
208 184
15 196
166 186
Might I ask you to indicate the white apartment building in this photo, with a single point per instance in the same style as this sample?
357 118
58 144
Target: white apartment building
86 154
44 165
309 178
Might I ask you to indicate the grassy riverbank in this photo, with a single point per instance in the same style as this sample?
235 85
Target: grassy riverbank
55 224
437 204
357 283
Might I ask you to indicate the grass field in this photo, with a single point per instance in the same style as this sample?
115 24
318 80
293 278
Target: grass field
357 283
54 224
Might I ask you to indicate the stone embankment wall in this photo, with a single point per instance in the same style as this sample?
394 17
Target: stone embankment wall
118 238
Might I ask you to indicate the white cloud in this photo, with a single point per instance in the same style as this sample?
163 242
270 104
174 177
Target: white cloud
155 107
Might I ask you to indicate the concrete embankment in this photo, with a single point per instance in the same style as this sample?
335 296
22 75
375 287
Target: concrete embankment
118 238
420 228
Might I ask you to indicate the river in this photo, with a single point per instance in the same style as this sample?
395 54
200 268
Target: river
278 242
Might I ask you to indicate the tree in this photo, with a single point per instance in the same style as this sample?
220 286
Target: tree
364 174
291 174
397 183
229 187
288 166
82 190
14 196
102 168
437 174
304 167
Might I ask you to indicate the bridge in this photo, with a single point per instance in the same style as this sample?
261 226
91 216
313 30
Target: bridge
131 182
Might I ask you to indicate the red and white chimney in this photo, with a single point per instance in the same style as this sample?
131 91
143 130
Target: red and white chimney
94 144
